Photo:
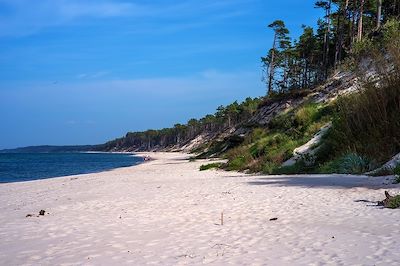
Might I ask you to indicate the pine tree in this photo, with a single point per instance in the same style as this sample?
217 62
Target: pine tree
281 40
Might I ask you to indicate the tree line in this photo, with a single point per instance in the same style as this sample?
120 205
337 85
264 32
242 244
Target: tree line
306 62
226 117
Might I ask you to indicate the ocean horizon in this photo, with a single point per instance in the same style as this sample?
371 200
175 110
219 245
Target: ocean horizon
20 167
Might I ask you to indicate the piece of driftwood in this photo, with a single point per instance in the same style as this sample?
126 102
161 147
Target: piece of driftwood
385 202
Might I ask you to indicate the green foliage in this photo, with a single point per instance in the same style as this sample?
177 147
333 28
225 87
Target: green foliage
210 166
225 117
396 172
394 202
348 164
238 163
306 115
268 167
391 31
382 172
367 123
265 149
299 167
363 48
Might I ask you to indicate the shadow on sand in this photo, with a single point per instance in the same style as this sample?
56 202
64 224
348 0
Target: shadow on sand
328 181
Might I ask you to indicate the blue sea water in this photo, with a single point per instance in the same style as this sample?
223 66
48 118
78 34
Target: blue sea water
17 167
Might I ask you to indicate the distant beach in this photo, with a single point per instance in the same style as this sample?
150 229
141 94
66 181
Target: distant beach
167 212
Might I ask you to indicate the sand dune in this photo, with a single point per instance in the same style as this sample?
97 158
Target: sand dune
166 212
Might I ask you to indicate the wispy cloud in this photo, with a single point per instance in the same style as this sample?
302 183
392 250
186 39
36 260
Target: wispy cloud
208 83
95 75
25 17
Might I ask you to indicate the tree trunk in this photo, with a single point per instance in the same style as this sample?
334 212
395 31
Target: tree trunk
326 38
353 23
339 49
285 73
338 38
271 66
379 14
360 21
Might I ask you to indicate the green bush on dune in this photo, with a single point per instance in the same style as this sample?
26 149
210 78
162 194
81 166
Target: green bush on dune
210 166
394 202
350 163
265 149
396 172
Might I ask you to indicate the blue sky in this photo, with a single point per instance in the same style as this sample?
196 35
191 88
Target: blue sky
85 71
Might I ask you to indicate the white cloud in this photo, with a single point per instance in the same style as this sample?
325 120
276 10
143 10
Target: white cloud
102 9
25 17
95 75
237 85
233 85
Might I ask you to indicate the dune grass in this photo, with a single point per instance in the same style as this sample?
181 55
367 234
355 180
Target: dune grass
205 167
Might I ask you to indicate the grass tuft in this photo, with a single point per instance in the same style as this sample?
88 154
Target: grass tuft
210 166
350 163
394 202
396 172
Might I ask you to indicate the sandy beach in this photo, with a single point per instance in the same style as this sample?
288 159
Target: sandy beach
167 212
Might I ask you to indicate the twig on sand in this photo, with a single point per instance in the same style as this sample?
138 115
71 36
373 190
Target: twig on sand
221 245
190 256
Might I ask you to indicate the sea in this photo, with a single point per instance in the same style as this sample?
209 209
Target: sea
18 167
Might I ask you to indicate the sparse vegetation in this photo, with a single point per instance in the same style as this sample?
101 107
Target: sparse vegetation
367 123
210 166
265 149
394 202
350 163
365 126
396 172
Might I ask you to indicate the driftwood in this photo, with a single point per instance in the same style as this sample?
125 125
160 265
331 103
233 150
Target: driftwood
385 202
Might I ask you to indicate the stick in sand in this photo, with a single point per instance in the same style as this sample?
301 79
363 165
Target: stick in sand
222 218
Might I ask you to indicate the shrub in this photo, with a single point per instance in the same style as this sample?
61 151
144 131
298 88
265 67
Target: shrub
348 164
300 167
305 115
255 135
391 31
394 202
396 172
239 163
367 123
269 167
210 166
363 48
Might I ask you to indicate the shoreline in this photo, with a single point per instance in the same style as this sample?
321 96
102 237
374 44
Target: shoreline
83 172
167 212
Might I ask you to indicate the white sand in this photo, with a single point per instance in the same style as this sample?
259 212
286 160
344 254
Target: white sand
166 212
